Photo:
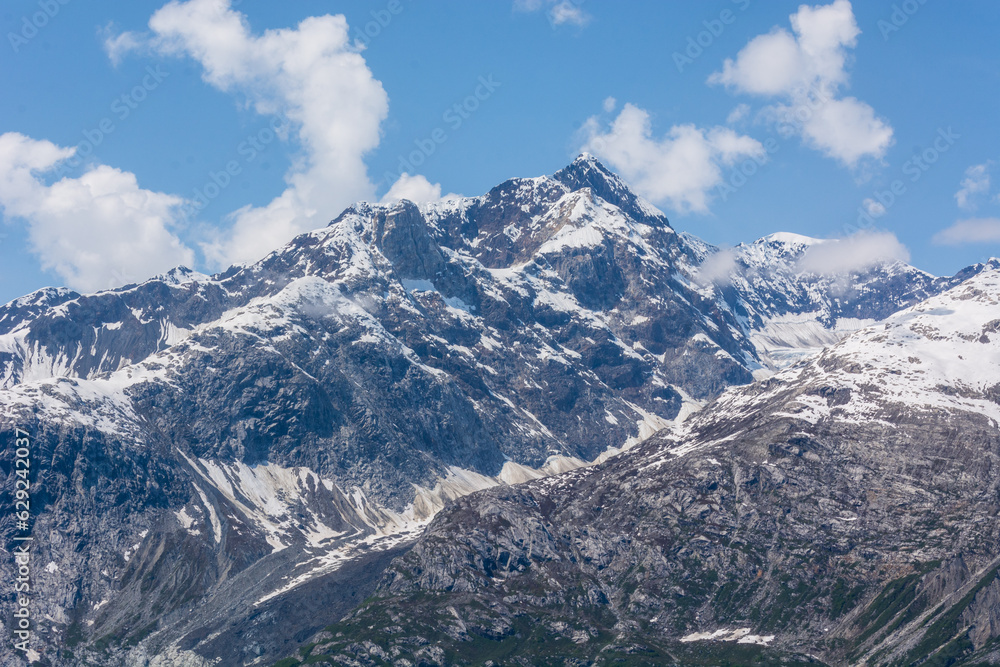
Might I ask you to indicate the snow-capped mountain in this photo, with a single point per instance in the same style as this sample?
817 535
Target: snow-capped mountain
793 311
214 450
841 512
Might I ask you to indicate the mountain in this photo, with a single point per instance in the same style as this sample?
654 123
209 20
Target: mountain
224 464
791 310
842 512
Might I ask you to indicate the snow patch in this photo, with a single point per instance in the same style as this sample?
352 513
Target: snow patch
740 636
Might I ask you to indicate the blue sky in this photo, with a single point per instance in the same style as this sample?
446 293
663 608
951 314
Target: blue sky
136 136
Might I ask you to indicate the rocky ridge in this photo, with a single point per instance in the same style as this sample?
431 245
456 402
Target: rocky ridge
841 512
213 451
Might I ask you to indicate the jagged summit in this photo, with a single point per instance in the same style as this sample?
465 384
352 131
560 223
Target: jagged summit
278 428
587 171
181 275
789 238
586 168
519 201
979 267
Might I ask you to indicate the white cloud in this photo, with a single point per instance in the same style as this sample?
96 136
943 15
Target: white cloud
679 169
314 76
767 65
95 231
560 12
976 182
739 112
718 268
781 62
973 230
117 46
873 208
568 12
417 189
610 104
806 68
846 130
854 253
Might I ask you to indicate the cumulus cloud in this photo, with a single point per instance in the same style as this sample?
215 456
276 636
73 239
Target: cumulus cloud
767 65
973 230
417 189
852 254
680 169
806 69
312 75
976 182
96 231
846 130
560 12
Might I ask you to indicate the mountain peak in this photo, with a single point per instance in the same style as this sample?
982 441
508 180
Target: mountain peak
181 275
586 168
586 171
590 160
788 238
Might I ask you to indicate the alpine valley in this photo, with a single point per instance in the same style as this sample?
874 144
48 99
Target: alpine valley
535 427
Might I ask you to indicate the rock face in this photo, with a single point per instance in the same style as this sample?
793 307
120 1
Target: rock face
844 510
209 452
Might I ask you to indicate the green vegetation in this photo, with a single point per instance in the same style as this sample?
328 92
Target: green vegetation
842 599
952 652
141 634
529 638
894 598
943 631
74 634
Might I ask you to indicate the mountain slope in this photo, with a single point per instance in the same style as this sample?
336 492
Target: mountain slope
845 508
791 311
213 449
